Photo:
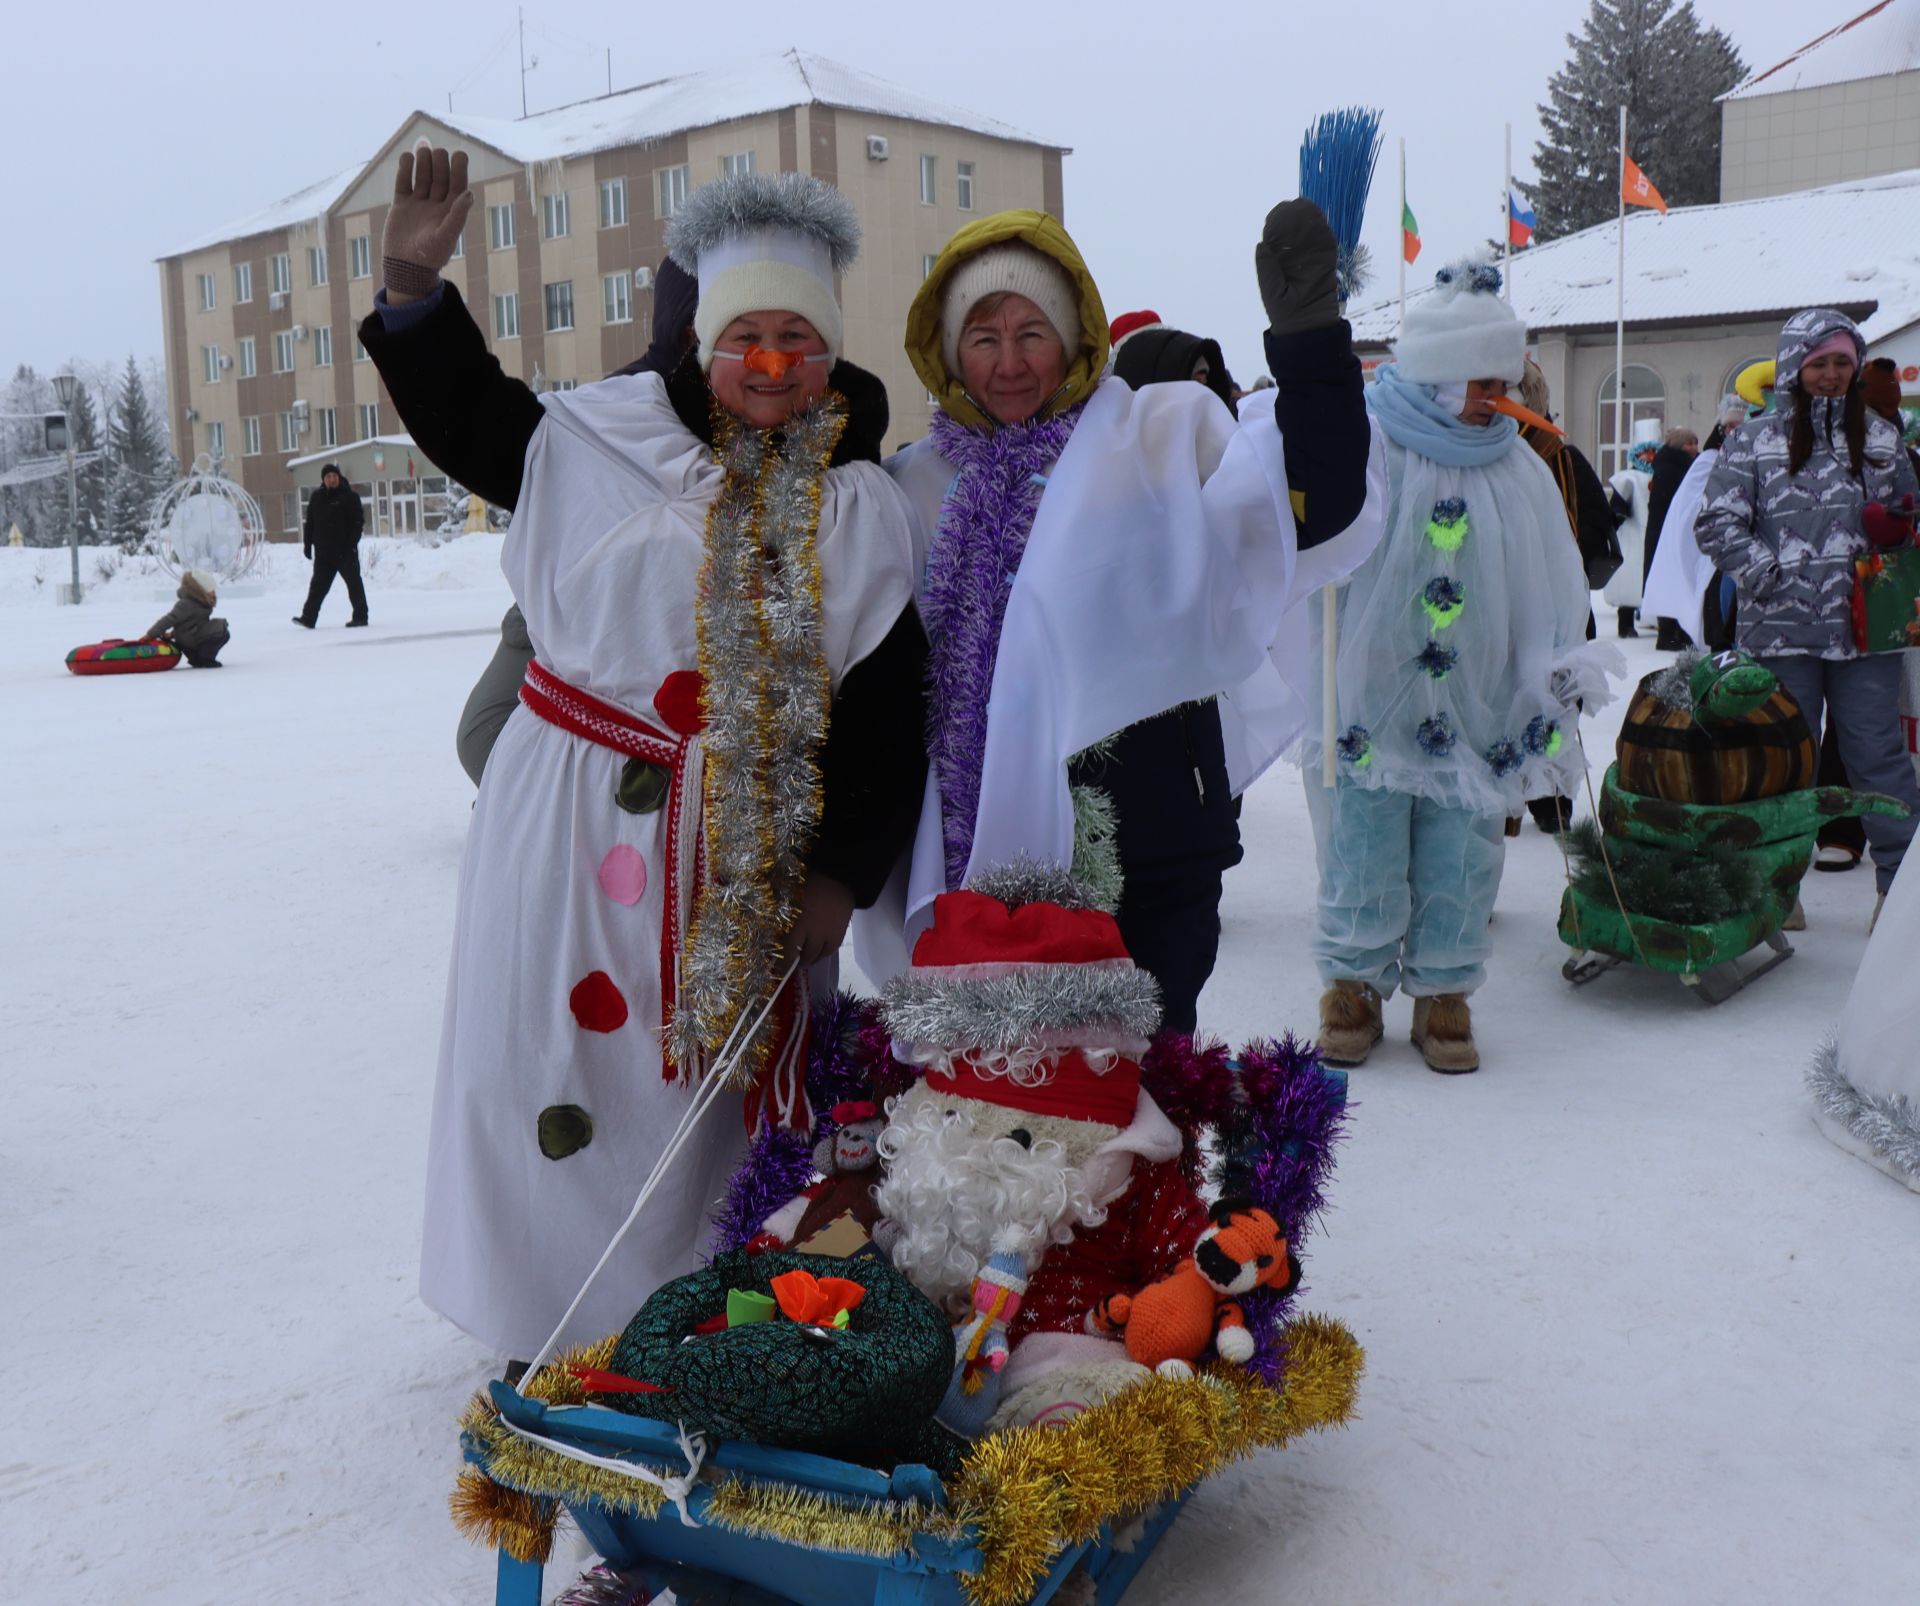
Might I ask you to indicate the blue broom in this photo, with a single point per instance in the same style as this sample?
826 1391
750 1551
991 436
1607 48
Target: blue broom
1337 158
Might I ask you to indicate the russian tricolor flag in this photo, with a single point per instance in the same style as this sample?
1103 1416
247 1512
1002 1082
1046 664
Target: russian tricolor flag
1519 219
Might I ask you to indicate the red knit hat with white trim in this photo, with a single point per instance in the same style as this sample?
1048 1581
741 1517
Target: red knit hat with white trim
1023 995
1132 323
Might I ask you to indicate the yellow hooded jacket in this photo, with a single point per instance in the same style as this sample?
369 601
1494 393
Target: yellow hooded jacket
1045 234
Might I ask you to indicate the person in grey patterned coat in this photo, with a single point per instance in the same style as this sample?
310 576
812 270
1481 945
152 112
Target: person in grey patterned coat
1796 496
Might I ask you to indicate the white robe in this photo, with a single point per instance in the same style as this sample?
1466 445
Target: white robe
1623 590
1162 563
1682 574
1870 1073
603 557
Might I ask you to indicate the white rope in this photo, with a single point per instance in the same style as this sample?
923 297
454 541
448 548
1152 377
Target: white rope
709 1090
676 1486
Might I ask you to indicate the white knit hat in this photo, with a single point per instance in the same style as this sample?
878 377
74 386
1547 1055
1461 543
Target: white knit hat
1461 330
1018 269
765 242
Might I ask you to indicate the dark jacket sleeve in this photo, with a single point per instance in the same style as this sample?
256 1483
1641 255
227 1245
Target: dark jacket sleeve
1321 409
873 764
359 515
494 695
1594 523
461 409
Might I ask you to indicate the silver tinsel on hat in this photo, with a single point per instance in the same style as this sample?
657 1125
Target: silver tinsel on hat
765 698
745 202
1005 1014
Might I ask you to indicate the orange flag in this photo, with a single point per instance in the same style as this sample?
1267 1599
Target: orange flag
1636 189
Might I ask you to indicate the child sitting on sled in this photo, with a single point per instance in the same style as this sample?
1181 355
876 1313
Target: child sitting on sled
189 624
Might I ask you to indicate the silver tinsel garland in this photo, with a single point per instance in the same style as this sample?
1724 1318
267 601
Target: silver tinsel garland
765 698
1890 1126
1001 1014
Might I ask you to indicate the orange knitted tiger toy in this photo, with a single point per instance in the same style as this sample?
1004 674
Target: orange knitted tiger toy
1170 1323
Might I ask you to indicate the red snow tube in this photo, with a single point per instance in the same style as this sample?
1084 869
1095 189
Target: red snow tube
117 657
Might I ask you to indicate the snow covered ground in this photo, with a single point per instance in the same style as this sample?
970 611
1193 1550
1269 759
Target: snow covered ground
1636 1332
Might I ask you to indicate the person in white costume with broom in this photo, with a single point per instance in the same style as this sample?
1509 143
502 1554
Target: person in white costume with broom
716 758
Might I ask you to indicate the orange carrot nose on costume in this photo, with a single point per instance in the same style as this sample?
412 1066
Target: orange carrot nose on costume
1523 415
774 364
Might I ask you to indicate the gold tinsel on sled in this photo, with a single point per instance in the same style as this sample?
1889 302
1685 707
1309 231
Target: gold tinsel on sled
1021 1496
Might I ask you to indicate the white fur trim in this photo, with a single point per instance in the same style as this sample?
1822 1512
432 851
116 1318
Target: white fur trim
1151 1137
765 285
1176 1369
785 1221
1235 1344
1040 1353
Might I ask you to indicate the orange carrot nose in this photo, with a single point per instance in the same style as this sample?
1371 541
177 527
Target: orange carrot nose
1523 415
774 364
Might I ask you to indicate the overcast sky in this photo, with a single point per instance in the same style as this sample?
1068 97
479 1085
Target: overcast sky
131 130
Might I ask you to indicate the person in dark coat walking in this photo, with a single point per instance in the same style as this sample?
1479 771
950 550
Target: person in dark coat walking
676 297
335 519
1177 819
1670 465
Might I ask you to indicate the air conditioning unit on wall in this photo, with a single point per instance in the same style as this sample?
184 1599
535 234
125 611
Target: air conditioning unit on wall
300 409
299 331
643 278
277 300
225 360
877 147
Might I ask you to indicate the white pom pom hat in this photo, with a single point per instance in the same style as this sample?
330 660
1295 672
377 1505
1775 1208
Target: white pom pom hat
1461 330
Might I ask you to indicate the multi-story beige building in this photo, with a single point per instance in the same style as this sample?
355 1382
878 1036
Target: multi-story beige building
263 368
1845 106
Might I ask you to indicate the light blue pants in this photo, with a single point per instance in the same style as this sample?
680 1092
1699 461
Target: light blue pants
1406 890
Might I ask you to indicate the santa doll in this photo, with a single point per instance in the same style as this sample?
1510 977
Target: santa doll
1030 1128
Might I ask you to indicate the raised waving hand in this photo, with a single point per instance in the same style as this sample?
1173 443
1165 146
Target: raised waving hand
430 206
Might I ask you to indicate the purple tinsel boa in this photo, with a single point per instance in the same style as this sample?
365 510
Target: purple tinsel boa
984 524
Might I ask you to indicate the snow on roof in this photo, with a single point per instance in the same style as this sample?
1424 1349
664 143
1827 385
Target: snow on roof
722 95
1815 248
335 453
1881 41
300 207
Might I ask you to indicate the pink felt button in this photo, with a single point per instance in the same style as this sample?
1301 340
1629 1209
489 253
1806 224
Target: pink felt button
623 874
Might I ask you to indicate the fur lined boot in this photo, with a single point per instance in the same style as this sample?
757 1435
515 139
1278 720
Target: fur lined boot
1349 1023
1443 1032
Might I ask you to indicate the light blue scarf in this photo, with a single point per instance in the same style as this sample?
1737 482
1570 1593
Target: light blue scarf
1413 419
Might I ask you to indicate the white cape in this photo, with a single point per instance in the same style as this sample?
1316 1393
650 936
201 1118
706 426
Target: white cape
1866 1081
1162 564
1682 574
1623 590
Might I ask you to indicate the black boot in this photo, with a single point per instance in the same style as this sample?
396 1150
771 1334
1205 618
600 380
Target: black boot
1627 632
357 624
302 621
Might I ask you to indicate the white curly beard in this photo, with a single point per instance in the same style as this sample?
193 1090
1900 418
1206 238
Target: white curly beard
955 1194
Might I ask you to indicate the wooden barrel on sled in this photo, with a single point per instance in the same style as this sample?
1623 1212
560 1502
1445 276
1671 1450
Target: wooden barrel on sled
1664 753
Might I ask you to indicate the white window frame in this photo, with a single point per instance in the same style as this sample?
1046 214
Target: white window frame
1646 397
359 351
216 439
283 351
242 283
289 434
323 346
329 427
210 364
929 181
369 420
291 512
506 315
250 435
459 245
564 384
616 298
550 295
672 189
927 262
613 203
249 357
209 293
360 257
963 185
556 217
737 162
281 267
316 266
500 226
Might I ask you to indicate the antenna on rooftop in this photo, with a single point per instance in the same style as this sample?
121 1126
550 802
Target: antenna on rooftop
521 16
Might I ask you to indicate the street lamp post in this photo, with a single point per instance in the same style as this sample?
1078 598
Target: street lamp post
66 387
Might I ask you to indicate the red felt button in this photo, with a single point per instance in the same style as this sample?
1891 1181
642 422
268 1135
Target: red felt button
597 1004
678 702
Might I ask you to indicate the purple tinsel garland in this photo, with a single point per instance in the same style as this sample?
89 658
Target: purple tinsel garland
1278 1120
984 524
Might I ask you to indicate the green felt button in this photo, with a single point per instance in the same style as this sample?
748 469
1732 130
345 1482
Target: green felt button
744 1306
643 786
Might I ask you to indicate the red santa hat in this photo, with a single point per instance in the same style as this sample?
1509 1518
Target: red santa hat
1023 995
1132 323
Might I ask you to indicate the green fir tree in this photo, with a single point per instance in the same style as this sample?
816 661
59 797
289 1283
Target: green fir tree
142 465
1668 69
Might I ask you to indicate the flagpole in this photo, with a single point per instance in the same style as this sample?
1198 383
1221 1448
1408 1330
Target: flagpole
1403 223
1620 316
1506 218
